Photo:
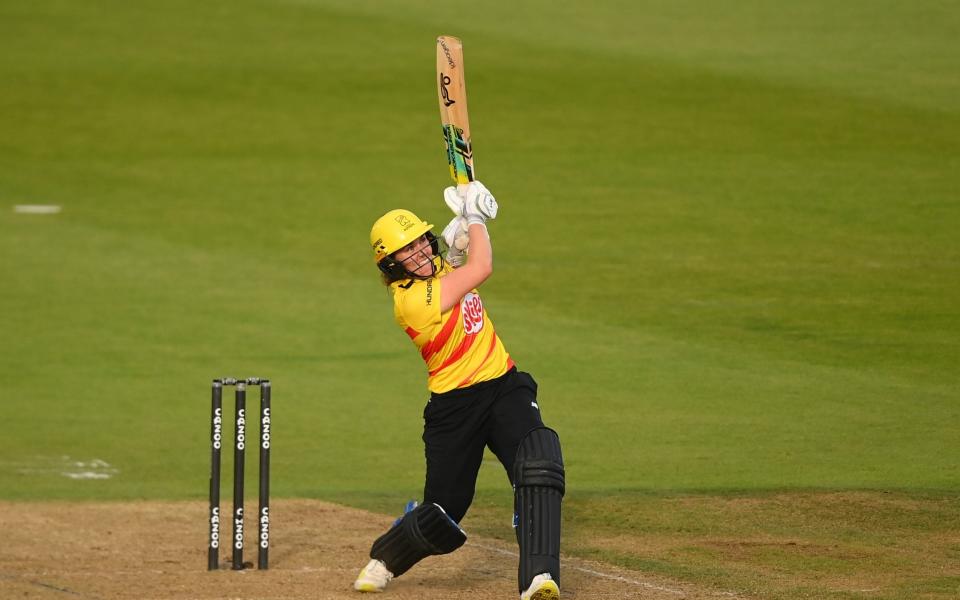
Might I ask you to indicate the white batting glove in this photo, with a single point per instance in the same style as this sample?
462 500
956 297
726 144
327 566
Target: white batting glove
479 205
456 257
458 240
456 233
454 200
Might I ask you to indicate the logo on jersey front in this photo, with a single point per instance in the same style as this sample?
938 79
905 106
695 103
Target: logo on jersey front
472 310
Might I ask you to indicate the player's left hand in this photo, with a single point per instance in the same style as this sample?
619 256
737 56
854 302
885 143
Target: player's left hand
453 200
458 240
456 233
455 257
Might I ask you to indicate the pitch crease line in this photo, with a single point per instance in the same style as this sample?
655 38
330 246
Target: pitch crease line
599 574
45 585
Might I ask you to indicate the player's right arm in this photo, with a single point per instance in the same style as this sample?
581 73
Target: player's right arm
475 207
455 285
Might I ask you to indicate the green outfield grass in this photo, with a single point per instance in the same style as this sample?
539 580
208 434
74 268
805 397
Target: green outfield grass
727 251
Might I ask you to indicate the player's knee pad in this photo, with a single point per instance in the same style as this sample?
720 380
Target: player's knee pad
425 531
539 485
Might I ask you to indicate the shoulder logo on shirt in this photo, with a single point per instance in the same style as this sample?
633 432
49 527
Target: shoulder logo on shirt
429 292
472 310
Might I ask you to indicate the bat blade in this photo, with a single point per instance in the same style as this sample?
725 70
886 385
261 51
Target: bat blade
454 118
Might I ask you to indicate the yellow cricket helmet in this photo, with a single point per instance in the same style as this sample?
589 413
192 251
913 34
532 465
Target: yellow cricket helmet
392 232
395 230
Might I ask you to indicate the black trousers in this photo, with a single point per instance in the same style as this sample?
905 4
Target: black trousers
457 425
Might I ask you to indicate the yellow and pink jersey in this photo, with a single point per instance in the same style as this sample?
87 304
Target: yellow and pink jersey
460 347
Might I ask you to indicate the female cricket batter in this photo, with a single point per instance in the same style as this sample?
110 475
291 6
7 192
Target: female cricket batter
478 399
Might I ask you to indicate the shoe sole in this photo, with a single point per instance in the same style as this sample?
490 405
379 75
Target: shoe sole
368 588
547 591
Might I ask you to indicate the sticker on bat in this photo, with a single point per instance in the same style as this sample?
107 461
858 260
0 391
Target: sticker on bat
459 154
444 82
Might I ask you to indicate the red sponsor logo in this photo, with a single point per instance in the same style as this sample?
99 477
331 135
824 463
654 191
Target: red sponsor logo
472 309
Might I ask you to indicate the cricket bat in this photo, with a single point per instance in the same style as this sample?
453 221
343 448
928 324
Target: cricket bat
452 94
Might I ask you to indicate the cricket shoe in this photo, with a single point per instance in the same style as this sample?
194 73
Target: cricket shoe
373 578
543 587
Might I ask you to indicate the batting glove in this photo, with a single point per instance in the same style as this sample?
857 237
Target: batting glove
479 204
455 233
458 240
456 258
454 200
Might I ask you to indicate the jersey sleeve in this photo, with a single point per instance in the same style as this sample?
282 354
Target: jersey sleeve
419 305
